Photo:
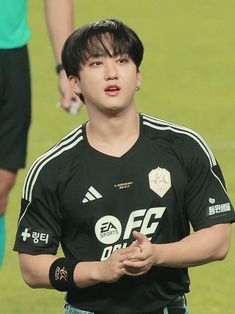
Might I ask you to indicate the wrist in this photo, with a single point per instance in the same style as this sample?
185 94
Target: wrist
59 67
96 271
156 254
87 274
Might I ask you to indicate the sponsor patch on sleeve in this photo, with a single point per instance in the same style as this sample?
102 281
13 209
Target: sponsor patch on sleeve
215 210
35 238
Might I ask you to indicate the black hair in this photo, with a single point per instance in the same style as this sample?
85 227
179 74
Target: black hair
106 37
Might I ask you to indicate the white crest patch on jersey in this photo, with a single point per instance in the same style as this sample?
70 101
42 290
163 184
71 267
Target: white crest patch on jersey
159 181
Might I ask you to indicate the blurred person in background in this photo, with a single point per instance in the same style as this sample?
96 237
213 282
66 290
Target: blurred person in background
15 86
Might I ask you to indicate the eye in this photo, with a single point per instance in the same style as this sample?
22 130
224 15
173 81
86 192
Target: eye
95 63
122 60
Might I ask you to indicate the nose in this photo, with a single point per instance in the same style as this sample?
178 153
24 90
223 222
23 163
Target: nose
111 72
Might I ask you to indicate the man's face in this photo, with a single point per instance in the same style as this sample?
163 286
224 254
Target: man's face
108 83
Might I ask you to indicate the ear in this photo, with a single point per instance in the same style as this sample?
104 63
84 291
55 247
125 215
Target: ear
138 79
75 84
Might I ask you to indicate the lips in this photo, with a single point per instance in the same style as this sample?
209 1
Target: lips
112 90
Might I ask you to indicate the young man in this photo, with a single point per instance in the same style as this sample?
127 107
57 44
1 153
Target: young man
120 192
15 86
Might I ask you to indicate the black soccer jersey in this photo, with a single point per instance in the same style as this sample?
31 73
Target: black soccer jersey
91 202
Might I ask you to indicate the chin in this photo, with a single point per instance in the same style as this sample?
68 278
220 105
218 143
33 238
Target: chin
114 110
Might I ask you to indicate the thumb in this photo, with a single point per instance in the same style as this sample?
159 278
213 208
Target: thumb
139 237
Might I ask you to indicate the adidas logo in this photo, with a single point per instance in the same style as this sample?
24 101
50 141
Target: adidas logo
91 195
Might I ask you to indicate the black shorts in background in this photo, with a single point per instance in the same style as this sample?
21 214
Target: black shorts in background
15 107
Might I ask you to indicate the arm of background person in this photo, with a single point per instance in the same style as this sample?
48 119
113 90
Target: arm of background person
201 247
60 23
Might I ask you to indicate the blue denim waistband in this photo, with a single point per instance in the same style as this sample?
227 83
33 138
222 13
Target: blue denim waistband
177 306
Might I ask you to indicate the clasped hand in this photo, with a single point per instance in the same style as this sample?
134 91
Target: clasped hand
134 260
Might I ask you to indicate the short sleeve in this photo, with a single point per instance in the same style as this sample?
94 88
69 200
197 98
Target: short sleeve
39 225
207 202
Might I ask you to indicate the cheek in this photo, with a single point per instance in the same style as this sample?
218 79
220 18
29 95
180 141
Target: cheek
132 76
89 85
91 90
131 82
88 79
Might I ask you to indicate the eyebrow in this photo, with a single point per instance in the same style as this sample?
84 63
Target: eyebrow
98 54
104 54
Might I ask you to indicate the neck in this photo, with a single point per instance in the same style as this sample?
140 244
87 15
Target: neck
114 135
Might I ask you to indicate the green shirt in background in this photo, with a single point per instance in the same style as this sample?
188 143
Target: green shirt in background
14 29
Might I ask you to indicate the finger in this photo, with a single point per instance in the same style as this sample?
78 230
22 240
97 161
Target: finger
136 272
134 243
141 254
139 237
65 103
59 105
135 263
125 254
129 250
73 109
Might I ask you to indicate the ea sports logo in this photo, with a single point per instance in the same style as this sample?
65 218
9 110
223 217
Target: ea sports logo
108 229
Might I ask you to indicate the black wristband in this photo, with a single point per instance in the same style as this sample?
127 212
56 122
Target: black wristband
59 67
61 274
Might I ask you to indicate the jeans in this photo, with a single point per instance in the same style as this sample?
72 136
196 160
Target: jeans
172 309
69 309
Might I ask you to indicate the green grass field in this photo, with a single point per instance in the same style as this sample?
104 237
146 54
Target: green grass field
188 78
